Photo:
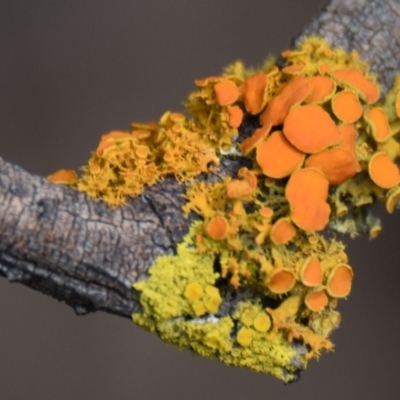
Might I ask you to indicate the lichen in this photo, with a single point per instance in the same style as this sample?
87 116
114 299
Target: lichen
323 151
181 289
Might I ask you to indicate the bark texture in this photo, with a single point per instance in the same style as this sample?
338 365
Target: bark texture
78 250
372 27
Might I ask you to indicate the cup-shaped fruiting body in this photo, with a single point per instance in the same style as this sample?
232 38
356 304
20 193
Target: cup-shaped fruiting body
226 92
212 299
347 107
282 232
262 322
277 157
238 188
280 281
392 198
193 291
339 281
383 171
316 301
107 140
247 316
245 336
235 116
293 69
63 176
322 89
217 228
306 192
266 212
256 138
378 121
337 164
254 92
294 92
310 129
355 79
311 273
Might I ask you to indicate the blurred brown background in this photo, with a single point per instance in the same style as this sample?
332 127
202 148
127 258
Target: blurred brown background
72 70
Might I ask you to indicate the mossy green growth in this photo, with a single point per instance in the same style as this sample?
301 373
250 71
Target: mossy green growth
181 303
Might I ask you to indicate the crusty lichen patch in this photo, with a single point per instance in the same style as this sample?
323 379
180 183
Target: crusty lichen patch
180 290
324 150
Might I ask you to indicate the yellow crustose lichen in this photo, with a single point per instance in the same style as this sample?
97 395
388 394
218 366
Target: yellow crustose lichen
323 151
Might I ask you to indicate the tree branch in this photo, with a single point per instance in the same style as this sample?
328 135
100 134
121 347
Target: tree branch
79 250
60 242
371 27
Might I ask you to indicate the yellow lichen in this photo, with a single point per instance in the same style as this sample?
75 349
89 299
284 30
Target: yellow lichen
262 322
245 337
321 154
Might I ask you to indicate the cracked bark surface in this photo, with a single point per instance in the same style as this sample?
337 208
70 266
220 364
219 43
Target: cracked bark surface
78 250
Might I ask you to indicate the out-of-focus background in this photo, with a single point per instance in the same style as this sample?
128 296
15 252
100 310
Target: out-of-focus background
72 70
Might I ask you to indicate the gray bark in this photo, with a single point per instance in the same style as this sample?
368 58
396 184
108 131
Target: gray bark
62 243
79 250
372 27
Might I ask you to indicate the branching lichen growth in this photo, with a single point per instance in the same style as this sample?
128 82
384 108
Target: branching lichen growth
322 150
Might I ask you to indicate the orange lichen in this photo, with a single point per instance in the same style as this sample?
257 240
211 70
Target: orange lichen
141 134
310 129
243 187
316 301
254 92
282 231
63 176
235 116
383 171
392 199
266 212
217 228
294 92
293 69
347 107
306 192
311 273
348 140
277 157
107 140
251 142
226 92
145 126
322 89
339 281
323 69
356 80
260 225
378 121
280 281
337 164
